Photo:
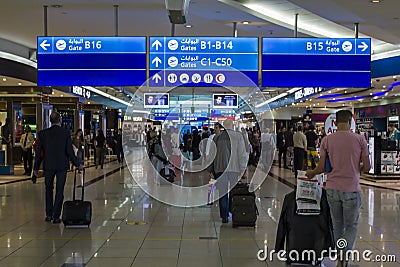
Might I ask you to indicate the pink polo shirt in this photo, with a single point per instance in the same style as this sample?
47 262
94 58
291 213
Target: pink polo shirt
345 150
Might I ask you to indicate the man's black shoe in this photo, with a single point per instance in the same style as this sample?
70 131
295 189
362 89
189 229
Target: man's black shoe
33 178
56 221
48 219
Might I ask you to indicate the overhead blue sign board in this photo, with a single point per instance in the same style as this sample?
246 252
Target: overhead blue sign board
94 61
340 62
203 61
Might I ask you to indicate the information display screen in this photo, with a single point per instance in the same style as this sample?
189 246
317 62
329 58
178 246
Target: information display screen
156 100
91 61
225 101
340 62
203 61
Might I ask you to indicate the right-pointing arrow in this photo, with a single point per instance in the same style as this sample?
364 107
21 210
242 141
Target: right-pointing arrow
363 46
156 78
156 61
157 44
44 45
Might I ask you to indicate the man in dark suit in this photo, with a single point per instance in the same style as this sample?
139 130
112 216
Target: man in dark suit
57 146
282 146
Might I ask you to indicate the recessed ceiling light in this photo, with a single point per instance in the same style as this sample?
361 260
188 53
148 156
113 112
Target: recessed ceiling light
4 79
19 83
52 93
245 22
395 77
61 95
88 103
375 1
188 26
385 85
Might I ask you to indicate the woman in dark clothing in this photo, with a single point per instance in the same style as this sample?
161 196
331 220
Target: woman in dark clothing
99 143
196 144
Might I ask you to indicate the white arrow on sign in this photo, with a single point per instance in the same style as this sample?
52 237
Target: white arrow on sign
156 78
156 61
157 44
363 46
44 45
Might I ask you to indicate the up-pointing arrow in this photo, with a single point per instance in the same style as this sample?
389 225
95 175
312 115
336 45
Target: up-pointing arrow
363 46
156 44
156 78
44 45
156 61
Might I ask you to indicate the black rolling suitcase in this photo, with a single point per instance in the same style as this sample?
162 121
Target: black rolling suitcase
77 212
243 206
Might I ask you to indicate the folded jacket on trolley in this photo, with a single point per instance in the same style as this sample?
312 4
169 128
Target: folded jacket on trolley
307 208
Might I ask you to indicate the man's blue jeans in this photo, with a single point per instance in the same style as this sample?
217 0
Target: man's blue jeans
345 210
224 179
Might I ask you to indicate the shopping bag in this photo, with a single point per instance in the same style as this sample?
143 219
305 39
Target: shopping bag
308 190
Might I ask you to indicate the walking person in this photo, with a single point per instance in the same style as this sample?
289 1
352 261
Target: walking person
312 154
100 143
196 145
255 143
176 158
56 144
300 146
290 145
27 140
267 149
344 149
78 145
229 163
282 147
118 146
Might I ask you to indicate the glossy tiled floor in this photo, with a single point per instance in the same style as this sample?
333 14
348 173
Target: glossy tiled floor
130 228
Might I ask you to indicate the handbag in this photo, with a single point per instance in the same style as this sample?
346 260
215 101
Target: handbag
328 166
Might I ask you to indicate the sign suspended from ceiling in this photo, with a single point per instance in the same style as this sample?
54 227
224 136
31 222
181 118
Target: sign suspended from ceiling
94 61
316 62
203 61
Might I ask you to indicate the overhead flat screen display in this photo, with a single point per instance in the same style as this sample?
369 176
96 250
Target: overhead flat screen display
203 61
91 61
290 62
156 100
225 101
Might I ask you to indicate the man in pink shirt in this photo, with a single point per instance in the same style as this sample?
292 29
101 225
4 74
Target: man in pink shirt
345 150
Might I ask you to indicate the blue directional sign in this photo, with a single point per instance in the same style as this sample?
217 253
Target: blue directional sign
203 61
289 62
94 61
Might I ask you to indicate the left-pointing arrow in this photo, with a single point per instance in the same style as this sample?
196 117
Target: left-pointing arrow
44 45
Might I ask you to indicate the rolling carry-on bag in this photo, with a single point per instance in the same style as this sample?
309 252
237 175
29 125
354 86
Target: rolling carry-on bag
243 206
77 212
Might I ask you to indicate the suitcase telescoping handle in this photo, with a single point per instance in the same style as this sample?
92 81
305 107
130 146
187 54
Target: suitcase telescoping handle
83 184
